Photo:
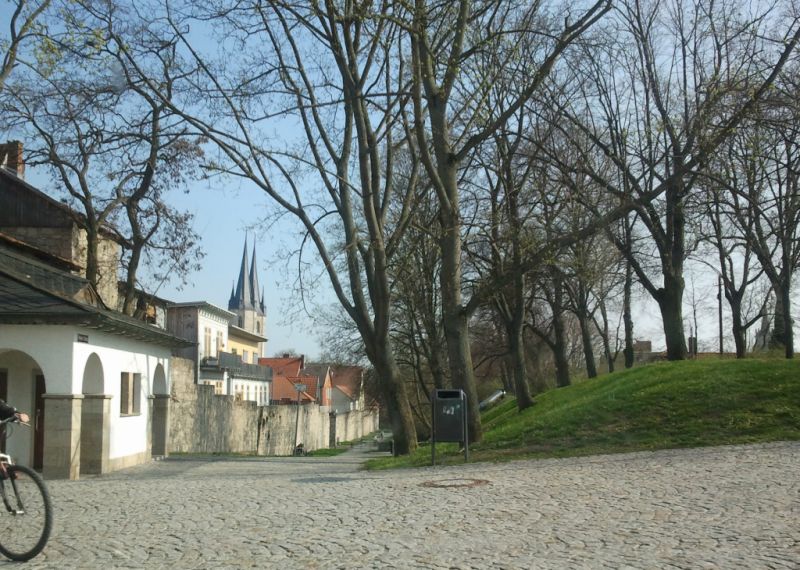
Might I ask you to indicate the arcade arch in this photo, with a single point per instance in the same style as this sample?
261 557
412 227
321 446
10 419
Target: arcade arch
160 413
95 418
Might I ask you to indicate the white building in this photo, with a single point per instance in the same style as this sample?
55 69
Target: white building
212 334
94 381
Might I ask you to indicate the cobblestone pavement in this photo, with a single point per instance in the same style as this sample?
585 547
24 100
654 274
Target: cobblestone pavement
728 507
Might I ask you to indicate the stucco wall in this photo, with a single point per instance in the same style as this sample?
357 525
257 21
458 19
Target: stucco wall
201 422
77 362
356 424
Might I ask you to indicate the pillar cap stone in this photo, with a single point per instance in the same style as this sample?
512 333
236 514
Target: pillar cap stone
63 396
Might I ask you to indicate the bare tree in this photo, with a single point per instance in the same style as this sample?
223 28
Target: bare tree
415 272
21 28
111 147
329 71
508 171
735 260
762 182
449 104
676 79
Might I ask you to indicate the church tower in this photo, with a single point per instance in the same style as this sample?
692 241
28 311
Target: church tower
246 301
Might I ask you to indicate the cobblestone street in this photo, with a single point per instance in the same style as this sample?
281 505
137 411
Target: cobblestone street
730 507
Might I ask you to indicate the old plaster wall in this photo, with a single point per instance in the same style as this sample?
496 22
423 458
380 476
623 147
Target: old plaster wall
354 425
202 422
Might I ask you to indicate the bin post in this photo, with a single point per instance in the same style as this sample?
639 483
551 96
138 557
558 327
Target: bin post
449 420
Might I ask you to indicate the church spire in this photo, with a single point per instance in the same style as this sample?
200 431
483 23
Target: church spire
254 300
243 292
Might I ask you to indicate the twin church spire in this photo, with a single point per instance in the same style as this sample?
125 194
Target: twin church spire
246 296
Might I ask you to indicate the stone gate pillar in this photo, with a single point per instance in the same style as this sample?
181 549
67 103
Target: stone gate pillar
160 424
62 436
95 432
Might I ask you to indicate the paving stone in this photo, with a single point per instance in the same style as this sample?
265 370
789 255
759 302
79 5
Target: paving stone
725 507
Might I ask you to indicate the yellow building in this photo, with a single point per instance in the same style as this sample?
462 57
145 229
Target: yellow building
245 344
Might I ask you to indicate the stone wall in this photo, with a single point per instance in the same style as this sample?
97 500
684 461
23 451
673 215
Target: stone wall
355 425
202 422
71 243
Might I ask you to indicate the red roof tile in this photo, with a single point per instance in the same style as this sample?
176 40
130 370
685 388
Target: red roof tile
283 388
348 380
288 366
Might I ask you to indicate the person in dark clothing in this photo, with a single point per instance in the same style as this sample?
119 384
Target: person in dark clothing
7 411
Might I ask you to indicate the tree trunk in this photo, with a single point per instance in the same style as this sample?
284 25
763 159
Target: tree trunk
460 359
128 305
456 320
782 334
559 347
605 334
670 301
92 263
560 354
516 345
588 350
738 331
627 317
401 416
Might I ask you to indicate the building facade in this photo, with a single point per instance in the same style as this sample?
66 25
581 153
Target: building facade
95 382
222 352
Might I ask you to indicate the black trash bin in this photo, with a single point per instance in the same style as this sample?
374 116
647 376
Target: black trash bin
449 419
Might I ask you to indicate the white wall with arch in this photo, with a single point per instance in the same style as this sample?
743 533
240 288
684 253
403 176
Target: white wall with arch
81 361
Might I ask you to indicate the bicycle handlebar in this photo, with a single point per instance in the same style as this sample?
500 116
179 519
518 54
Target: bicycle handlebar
14 420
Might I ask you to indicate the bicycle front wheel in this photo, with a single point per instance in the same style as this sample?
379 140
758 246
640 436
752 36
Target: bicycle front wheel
26 515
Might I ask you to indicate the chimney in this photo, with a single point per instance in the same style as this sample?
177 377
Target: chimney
11 158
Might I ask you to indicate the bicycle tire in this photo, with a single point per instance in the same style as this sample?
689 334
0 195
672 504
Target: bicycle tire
24 534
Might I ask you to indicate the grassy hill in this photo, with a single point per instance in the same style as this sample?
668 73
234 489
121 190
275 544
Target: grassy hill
667 405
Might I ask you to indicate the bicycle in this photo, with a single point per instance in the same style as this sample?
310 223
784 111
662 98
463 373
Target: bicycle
27 520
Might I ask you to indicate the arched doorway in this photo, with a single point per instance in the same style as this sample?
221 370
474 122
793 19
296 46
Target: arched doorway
159 426
22 385
95 419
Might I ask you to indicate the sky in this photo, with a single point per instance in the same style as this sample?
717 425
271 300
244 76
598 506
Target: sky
225 217
226 213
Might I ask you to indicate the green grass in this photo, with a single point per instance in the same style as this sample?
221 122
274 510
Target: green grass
667 405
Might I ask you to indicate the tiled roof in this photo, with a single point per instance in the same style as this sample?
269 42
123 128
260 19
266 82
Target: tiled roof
31 293
348 379
283 388
12 243
319 370
45 277
287 366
